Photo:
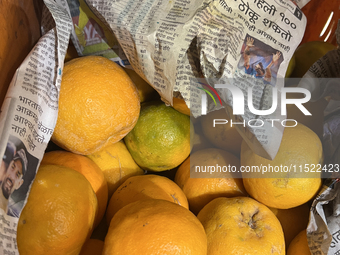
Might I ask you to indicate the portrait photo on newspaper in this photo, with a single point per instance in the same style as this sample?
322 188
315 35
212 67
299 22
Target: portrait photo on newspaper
15 180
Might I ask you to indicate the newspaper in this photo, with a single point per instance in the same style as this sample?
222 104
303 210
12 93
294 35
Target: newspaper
27 120
91 35
323 231
301 3
169 44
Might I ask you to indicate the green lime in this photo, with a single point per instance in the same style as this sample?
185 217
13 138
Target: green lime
161 138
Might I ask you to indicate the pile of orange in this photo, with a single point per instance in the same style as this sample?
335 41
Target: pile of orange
134 176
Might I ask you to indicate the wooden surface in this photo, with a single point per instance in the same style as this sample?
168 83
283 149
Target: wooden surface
20 30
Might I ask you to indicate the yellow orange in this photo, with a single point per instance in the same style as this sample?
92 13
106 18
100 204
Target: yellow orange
222 136
292 220
155 226
241 225
299 245
98 105
59 214
117 165
145 187
180 105
86 167
202 187
300 147
314 121
199 141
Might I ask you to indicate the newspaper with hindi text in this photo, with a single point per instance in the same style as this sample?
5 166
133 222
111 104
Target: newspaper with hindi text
27 119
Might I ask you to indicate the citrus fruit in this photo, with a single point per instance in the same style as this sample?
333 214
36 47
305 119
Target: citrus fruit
314 121
180 105
292 220
145 187
195 120
241 225
202 187
116 163
300 149
307 54
299 245
59 214
155 226
92 247
98 105
161 138
145 90
291 66
86 167
199 141
222 136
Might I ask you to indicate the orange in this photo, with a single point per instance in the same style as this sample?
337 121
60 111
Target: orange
300 147
199 141
222 136
200 188
314 121
92 247
86 167
155 226
291 66
145 187
161 138
292 220
299 245
195 120
307 54
241 225
116 163
98 105
180 105
145 90
59 214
